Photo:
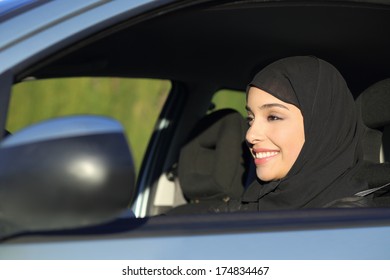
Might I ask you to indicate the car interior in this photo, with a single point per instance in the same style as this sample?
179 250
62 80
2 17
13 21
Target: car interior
213 165
372 104
220 45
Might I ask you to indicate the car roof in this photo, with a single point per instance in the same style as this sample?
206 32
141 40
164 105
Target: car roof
225 42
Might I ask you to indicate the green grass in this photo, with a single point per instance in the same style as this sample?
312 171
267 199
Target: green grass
136 103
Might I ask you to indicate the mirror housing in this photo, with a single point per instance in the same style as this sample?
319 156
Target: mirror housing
64 173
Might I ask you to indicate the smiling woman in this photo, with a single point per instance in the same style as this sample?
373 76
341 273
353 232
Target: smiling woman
305 136
275 135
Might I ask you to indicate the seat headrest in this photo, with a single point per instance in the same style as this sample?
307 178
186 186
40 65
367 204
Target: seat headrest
212 163
374 104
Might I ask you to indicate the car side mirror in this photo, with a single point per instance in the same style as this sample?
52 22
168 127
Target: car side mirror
64 173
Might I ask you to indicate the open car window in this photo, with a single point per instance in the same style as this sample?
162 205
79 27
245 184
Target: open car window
135 103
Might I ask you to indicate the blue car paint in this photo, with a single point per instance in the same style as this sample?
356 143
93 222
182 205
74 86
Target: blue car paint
10 6
28 34
326 244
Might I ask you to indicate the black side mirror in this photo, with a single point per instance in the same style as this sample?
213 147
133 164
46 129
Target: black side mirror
64 173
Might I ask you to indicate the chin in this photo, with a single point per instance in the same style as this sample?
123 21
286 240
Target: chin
265 177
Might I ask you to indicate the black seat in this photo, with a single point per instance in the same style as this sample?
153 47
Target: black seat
213 164
374 106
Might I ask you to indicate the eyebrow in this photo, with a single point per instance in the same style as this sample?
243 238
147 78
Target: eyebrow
268 106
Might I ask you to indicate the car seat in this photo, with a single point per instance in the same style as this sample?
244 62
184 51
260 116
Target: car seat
213 163
374 106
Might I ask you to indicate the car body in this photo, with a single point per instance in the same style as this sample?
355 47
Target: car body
201 47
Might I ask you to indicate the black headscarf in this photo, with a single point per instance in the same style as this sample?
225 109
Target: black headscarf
331 154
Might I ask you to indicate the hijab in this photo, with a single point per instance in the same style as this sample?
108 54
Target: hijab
332 152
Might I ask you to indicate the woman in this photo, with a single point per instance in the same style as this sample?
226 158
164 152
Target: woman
304 134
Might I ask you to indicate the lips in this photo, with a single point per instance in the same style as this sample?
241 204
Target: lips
262 156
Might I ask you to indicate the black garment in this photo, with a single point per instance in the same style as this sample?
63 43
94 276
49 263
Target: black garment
332 153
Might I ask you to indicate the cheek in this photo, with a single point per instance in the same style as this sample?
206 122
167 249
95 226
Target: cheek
290 141
296 143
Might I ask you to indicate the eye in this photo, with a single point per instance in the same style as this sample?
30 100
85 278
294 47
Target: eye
273 118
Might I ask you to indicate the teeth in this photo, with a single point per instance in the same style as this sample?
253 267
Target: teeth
266 154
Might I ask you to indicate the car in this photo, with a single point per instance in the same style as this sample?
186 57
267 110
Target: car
69 186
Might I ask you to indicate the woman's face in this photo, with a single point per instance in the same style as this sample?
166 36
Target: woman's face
275 135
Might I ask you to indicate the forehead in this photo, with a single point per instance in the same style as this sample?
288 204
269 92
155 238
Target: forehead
257 97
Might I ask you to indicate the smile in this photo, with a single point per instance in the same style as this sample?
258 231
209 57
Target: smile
262 156
265 154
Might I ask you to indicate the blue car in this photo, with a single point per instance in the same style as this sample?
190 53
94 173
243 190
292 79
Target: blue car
70 187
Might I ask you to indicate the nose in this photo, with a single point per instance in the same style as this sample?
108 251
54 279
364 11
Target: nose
254 134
